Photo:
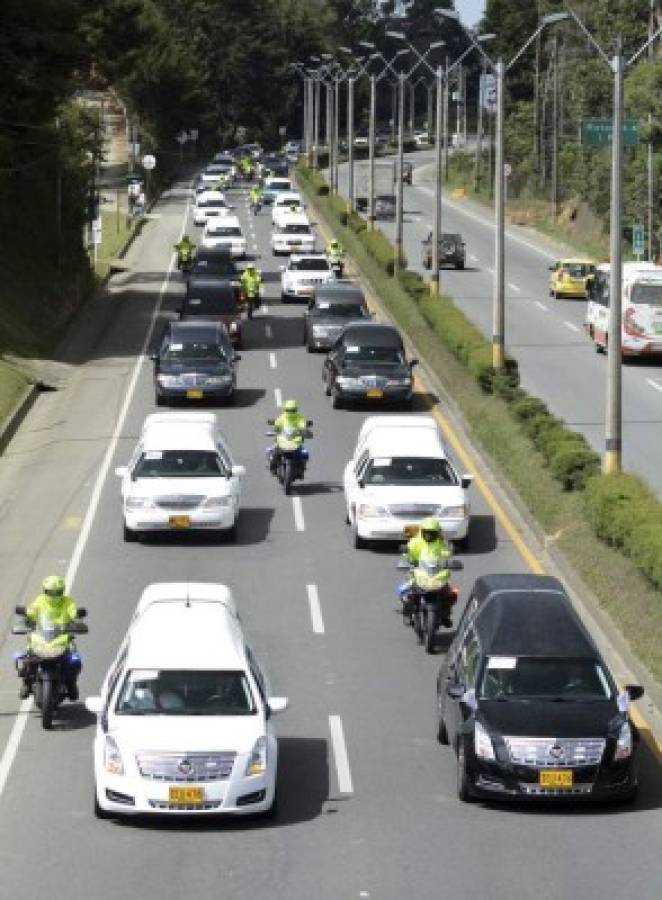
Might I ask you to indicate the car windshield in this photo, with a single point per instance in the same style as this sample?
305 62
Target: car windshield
340 310
288 200
647 294
529 678
374 355
578 270
218 266
179 464
225 230
173 692
279 186
210 204
198 350
215 170
309 265
295 229
410 471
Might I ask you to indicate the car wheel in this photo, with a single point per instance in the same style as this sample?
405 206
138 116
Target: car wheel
284 298
337 401
130 536
272 812
459 265
99 811
327 386
160 401
358 542
463 781
442 731
230 534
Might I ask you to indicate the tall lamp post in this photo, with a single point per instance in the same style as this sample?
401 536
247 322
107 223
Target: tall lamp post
357 69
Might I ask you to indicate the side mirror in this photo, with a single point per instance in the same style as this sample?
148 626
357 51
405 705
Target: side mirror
412 363
238 471
634 691
552 268
82 612
122 471
466 480
309 423
455 565
154 357
77 628
94 705
456 691
277 705
19 610
402 564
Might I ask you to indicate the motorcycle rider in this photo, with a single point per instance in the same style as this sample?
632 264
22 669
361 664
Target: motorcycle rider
59 609
290 422
335 253
185 249
246 166
251 280
429 545
256 197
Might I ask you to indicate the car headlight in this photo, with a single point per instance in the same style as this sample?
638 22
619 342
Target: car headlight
134 503
217 502
483 746
257 761
624 742
369 511
218 379
454 512
112 758
233 327
169 380
399 382
321 330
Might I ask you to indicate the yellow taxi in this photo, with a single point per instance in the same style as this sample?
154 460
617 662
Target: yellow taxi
571 277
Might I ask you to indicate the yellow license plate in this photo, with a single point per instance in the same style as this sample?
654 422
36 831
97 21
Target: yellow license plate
179 521
560 778
194 394
186 796
410 530
375 393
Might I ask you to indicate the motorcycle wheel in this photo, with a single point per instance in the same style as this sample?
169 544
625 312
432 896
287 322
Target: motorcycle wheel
288 476
431 631
47 704
420 622
249 311
37 694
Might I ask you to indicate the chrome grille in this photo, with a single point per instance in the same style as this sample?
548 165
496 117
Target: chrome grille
412 510
554 752
183 807
185 767
183 501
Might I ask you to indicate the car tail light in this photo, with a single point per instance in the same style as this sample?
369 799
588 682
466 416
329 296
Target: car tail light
630 326
453 593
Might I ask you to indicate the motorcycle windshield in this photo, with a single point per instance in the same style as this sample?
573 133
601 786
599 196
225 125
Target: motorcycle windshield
49 639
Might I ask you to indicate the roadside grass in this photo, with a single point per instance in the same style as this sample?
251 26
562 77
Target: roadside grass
631 602
115 232
13 381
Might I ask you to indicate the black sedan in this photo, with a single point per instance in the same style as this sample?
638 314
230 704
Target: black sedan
528 704
332 307
196 361
368 362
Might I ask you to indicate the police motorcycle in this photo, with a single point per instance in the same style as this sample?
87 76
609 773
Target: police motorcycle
427 596
288 458
50 664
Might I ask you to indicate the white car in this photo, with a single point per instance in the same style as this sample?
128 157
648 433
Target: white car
285 204
213 173
400 474
274 186
209 204
225 231
302 274
293 234
181 476
184 713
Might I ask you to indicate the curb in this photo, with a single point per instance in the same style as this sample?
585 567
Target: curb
21 408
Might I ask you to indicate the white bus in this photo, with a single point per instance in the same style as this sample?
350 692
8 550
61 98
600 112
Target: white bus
641 328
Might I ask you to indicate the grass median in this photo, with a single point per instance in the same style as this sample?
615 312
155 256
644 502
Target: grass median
631 601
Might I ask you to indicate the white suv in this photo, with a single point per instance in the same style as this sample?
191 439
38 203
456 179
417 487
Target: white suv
184 713
400 474
293 234
284 205
302 274
181 477
225 231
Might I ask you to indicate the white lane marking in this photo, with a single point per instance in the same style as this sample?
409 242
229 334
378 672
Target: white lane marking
265 308
297 506
272 360
570 325
473 258
654 384
268 332
315 609
21 718
345 785
489 269
514 287
541 305
278 397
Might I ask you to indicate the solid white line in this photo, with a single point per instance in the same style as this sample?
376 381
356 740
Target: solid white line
570 325
272 360
21 718
297 506
315 609
278 397
514 287
541 305
268 332
345 785
654 384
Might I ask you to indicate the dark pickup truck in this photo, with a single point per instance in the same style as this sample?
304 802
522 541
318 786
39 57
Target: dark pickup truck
452 251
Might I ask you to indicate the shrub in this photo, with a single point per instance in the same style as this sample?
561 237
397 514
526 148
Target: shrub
381 250
527 407
614 504
412 282
572 463
356 223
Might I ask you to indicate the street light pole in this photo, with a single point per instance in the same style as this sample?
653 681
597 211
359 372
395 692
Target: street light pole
316 136
399 201
350 140
498 307
371 153
336 129
445 124
478 162
435 274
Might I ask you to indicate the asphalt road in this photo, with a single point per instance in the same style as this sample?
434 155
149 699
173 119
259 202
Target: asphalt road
386 825
557 360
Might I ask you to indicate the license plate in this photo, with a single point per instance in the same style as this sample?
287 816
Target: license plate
375 393
410 530
194 394
295 243
186 796
179 521
560 778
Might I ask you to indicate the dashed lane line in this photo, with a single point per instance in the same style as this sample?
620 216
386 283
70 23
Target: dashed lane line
315 609
345 785
541 305
514 287
654 384
267 331
571 325
278 397
297 507
272 360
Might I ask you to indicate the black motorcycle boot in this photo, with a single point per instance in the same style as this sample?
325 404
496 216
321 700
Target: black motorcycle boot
25 690
72 691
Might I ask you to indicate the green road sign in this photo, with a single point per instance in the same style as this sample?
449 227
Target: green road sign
638 239
597 132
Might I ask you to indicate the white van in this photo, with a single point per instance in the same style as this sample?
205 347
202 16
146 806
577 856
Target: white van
399 475
641 331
